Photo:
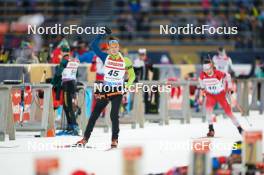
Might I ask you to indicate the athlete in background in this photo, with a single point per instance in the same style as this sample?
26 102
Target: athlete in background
115 67
65 78
139 64
222 62
212 84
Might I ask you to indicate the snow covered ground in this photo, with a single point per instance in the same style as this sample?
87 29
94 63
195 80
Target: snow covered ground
164 147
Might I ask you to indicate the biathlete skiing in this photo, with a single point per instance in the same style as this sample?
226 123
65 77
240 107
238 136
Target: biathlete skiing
115 68
212 84
223 63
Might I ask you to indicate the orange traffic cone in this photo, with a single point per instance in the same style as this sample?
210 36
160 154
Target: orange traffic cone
51 132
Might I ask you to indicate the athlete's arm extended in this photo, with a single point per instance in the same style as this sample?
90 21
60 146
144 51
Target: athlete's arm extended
130 71
95 47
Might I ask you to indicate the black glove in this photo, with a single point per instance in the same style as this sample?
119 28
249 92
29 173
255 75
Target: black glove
108 30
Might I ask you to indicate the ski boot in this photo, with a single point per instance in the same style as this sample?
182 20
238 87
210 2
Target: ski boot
82 142
114 143
73 130
211 132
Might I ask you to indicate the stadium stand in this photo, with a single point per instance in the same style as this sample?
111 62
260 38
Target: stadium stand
137 23
146 20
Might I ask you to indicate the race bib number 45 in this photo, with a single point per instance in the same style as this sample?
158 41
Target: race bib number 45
113 73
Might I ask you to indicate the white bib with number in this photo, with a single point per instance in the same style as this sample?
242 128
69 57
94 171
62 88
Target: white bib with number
114 70
69 73
213 85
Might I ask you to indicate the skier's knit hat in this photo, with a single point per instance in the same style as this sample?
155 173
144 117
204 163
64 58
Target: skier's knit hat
113 42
